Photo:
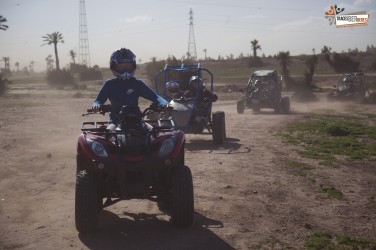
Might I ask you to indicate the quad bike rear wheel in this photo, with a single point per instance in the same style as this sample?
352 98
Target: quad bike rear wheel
86 202
240 106
182 197
219 127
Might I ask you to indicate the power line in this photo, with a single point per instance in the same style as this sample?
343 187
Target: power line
191 41
83 45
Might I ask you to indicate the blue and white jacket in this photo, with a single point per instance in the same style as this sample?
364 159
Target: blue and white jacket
123 92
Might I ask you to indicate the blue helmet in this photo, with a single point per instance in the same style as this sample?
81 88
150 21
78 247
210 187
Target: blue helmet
123 56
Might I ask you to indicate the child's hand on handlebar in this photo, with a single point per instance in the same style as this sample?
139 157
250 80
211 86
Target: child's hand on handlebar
95 108
166 106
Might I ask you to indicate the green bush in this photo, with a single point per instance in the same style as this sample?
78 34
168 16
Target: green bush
89 74
86 74
3 84
59 78
373 65
342 63
255 62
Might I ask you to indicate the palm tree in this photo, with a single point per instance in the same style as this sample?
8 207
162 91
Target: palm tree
326 50
285 60
3 26
6 62
255 47
50 62
17 64
311 63
54 38
205 53
73 54
31 66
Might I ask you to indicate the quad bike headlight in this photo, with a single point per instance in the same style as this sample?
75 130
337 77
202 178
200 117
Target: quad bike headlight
97 148
167 146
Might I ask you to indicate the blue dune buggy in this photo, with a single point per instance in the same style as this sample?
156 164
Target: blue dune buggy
183 86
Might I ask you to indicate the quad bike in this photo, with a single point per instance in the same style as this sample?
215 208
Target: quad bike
135 159
264 91
350 87
194 114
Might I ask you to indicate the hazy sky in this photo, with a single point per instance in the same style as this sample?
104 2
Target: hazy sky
161 28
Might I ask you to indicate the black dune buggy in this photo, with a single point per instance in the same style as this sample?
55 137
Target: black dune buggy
194 114
264 91
135 159
350 87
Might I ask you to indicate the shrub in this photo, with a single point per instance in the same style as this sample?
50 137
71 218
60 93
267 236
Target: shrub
59 78
342 63
86 74
3 84
255 62
89 74
373 65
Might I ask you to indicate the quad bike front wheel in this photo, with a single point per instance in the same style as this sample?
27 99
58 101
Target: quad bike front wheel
219 127
240 106
86 202
182 197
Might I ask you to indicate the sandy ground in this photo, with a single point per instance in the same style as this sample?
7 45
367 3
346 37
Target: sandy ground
245 198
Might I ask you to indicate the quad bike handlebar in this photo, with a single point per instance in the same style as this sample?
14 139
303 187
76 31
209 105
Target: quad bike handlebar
103 109
106 108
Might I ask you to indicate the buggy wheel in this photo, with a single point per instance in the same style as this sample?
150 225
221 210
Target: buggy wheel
240 106
285 105
256 108
86 202
219 127
182 197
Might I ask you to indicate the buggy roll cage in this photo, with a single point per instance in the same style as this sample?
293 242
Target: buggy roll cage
264 73
171 68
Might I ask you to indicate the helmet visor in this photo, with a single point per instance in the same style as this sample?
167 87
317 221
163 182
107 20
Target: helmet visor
123 68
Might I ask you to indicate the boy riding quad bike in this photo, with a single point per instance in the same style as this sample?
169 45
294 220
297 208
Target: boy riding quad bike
350 87
133 159
264 91
183 86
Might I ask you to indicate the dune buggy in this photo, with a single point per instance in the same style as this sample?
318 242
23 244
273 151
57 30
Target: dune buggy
350 87
135 159
193 114
264 91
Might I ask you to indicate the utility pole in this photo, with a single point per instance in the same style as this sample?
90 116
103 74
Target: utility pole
83 45
191 42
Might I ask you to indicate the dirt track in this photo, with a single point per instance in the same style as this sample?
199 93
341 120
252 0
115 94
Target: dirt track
244 196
